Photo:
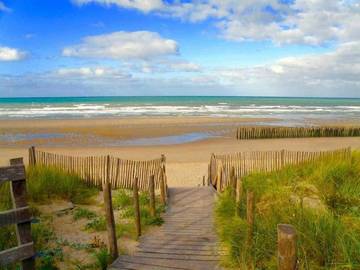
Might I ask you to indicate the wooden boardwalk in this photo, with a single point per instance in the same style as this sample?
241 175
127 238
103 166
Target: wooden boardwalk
186 240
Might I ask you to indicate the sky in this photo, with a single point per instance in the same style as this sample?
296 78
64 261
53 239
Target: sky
180 47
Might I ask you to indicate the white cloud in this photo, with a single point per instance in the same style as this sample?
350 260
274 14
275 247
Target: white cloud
123 45
312 22
330 74
4 8
90 72
334 73
142 5
184 66
11 54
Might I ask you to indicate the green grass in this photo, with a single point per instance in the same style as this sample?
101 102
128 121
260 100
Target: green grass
43 185
328 231
103 258
97 224
47 183
123 201
83 213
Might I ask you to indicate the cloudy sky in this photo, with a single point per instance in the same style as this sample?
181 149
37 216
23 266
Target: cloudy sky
180 47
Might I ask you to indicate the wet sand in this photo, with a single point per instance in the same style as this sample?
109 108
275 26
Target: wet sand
186 161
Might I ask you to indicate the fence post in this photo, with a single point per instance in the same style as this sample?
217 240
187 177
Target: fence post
32 156
239 190
212 169
162 187
23 230
152 196
110 221
163 166
233 183
137 207
282 153
250 216
287 259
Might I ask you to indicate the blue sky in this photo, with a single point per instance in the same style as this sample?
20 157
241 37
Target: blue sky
155 47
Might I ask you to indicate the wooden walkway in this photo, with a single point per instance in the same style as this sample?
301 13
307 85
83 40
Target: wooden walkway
186 240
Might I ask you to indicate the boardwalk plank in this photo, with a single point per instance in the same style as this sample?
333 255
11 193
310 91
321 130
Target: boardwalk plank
187 240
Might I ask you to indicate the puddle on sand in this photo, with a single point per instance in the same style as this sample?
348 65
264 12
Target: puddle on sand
48 139
174 139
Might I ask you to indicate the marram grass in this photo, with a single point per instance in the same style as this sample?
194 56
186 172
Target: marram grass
46 183
320 199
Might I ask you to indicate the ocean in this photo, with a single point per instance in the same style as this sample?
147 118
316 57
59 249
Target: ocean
95 107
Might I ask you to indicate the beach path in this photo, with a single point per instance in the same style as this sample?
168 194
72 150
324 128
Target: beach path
186 240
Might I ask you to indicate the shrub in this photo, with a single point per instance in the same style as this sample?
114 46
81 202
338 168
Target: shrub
103 258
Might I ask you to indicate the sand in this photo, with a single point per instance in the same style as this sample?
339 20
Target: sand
186 162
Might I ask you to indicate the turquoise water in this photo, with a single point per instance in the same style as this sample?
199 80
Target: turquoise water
92 107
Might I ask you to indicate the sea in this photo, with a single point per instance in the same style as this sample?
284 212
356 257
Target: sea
288 108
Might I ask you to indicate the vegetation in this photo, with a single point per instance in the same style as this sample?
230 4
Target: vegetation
123 199
103 258
320 199
43 185
96 224
80 213
47 183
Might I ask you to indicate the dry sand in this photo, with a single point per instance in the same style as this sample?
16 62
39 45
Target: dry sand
186 162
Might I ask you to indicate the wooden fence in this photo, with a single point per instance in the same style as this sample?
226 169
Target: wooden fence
244 133
94 170
20 216
243 163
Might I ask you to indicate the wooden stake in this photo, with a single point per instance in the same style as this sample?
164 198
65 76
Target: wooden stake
233 182
152 196
32 156
162 187
137 207
23 230
287 259
110 221
250 216
239 191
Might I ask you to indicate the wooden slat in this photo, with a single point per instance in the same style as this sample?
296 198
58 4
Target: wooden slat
15 254
15 216
12 173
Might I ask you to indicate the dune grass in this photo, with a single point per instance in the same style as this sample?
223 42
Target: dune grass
47 183
320 199
123 201
44 184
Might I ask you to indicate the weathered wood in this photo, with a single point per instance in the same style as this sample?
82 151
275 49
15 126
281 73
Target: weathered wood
19 253
93 170
248 162
287 259
110 221
15 216
137 207
233 182
32 156
185 241
20 216
250 207
12 173
162 188
152 195
239 191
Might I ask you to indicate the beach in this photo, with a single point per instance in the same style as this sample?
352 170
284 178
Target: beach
143 138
